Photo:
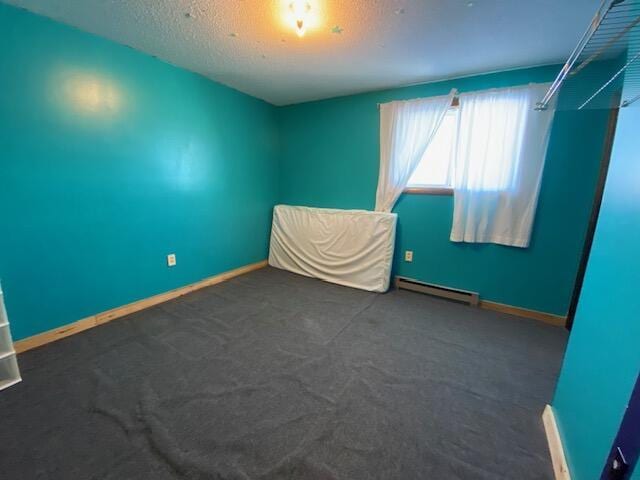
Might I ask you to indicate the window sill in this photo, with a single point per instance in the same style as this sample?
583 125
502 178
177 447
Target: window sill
429 190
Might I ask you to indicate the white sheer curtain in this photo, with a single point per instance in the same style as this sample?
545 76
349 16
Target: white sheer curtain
406 129
501 148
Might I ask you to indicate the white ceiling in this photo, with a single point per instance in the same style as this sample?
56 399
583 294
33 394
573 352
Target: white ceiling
384 43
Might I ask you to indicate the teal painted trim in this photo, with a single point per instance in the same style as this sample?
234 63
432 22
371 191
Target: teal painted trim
110 160
602 360
330 159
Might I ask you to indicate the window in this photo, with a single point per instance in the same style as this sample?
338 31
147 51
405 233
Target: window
434 173
487 138
490 150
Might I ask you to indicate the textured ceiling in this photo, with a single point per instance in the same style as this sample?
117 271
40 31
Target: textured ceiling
377 43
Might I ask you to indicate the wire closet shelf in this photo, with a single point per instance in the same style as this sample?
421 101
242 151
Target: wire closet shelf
603 71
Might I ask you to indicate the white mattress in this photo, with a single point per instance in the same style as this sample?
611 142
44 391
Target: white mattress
348 247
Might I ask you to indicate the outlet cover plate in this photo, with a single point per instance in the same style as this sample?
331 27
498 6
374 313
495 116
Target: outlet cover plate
171 260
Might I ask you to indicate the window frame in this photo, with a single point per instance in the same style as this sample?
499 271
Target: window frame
427 190
433 189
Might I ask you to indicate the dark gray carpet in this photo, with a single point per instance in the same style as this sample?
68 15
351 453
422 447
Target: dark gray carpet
272 375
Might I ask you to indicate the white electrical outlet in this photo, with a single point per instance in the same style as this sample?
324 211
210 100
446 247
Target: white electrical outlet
408 256
171 260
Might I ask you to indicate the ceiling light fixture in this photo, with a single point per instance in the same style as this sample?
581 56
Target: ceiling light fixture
300 11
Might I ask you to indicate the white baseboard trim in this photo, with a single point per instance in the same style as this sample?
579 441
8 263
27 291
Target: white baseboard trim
560 467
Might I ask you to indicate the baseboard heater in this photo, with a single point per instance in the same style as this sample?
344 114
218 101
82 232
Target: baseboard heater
472 298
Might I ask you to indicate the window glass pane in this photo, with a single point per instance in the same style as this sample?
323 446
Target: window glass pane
435 168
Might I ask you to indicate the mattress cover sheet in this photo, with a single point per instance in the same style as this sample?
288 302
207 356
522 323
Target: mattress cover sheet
348 247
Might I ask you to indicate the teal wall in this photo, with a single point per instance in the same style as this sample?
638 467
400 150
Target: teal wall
602 360
329 158
110 160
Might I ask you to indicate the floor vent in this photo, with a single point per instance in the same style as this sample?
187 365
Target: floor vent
472 298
